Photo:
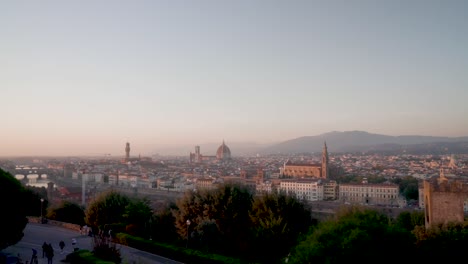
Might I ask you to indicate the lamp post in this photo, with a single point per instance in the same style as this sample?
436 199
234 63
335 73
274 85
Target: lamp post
42 201
188 225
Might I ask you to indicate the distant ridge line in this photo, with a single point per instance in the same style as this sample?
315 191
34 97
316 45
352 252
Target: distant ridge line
359 141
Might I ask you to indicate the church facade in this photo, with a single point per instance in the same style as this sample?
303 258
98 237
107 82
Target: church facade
308 170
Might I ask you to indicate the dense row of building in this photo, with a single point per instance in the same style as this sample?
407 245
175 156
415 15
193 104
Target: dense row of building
306 177
308 181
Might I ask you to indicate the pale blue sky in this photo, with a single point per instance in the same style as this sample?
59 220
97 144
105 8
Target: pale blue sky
80 77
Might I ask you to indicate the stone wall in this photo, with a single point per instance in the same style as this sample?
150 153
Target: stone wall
75 227
443 201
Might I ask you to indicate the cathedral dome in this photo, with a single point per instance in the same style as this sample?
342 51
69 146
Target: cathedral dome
223 152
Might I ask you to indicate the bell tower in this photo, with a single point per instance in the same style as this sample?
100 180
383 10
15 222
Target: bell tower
325 173
127 152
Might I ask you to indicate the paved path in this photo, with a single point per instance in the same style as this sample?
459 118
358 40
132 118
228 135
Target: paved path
36 234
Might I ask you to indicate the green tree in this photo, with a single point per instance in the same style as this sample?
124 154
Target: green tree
409 220
226 209
108 208
138 214
13 220
67 212
355 235
408 187
277 220
163 225
32 198
444 241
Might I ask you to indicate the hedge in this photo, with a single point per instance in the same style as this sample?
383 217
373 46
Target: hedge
182 254
84 256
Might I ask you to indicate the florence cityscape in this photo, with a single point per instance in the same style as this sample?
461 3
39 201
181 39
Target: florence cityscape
233 131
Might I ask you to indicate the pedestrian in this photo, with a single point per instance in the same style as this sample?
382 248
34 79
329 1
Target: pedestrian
44 248
34 257
62 245
49 253
19 260
74 246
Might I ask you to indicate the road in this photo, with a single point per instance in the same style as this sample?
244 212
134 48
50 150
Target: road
36 234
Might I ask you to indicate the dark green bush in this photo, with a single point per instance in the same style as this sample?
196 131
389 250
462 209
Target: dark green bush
178 253
106 250
84 257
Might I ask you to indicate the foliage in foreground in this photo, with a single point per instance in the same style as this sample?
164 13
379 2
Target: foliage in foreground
231 221
174 252
119 213
108 208
13 220
355 235
218 218
361 235
84 257
104 249
444 240
229 224
67 212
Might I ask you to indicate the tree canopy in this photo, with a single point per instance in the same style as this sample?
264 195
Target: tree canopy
233 221
444 241
67 212
13 220
277 220
108 208
222 213
408 187
116 211
355 235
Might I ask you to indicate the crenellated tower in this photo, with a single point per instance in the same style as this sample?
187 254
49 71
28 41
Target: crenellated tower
127 152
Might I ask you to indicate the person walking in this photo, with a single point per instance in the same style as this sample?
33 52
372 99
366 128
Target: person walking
74 245
49 253
34 257
62 245
44 249
19 259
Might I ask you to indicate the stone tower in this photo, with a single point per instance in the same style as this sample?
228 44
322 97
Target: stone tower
325 173
443 200
127 152
260 175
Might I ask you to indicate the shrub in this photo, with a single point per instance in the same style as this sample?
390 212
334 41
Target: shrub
84 257
106 250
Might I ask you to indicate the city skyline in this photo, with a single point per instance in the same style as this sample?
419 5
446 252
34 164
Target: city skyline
81 78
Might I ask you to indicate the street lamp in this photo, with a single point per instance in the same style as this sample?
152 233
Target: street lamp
188 224
42 201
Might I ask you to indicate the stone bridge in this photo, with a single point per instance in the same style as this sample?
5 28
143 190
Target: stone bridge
30 170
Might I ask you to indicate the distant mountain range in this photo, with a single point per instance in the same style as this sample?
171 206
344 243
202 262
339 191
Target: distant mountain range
361 141
338 142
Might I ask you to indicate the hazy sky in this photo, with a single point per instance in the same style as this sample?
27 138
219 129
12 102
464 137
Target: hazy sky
83 77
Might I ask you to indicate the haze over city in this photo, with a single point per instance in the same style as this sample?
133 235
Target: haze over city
84 77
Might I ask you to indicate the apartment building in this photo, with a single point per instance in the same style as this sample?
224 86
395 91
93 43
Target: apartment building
364 193
307 189
330 190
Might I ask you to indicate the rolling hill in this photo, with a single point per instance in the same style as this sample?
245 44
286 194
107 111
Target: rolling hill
361 141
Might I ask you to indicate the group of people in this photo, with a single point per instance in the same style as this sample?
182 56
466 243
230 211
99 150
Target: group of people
48 251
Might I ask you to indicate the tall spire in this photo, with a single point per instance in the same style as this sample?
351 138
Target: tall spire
325 172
